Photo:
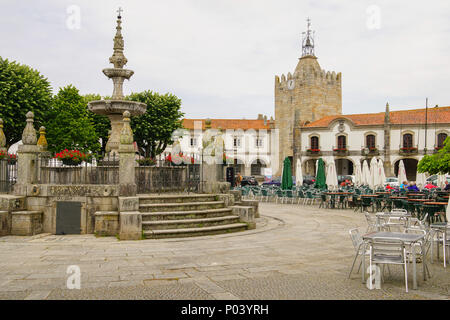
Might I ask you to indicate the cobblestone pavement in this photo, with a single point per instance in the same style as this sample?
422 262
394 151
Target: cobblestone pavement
296 252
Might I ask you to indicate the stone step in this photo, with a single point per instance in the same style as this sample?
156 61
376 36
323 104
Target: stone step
194 232
176 198
182 206
177 215
188 223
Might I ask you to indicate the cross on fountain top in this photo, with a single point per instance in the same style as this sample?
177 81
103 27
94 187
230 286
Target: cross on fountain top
119 12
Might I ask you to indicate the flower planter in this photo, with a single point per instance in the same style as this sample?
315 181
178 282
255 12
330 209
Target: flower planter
70 162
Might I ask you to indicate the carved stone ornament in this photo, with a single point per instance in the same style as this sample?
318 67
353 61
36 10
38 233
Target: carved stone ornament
126 135
42 142
29 133
341 126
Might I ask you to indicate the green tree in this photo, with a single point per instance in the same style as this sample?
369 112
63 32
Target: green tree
68 123
153 130
438 163
101 123
22 89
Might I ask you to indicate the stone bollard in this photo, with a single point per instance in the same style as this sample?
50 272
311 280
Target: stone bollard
26 158
127 162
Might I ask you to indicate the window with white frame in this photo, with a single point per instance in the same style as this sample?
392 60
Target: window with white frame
236 142
193 142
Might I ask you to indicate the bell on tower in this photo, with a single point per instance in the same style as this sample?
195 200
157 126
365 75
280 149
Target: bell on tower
308 41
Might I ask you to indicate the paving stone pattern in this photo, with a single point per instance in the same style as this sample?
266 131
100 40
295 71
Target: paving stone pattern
295 252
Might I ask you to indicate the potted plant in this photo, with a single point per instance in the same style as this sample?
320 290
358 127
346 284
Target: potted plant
72 157
11 158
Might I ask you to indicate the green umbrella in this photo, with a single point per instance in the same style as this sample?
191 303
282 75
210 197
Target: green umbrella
286 179
320 177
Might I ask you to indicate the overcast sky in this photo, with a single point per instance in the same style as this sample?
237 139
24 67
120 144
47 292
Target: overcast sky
220 56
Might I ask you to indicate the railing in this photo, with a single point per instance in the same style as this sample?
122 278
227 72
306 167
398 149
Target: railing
313 152
340 151
370 151
100 170
8 174
408 150
158 179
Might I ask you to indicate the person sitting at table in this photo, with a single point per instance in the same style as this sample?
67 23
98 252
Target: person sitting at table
412 187
430 186
404 185
389 188
447 186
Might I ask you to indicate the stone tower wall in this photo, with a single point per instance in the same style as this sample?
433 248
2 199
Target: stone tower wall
316 93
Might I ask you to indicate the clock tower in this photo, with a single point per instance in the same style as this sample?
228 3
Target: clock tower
308 94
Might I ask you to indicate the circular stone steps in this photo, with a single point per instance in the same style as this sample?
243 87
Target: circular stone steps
193 232
173 216
194 214
181 206
188 223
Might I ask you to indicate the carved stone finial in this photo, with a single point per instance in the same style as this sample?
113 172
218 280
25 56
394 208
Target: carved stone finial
126 135
118 58
29 133
42 142
2 135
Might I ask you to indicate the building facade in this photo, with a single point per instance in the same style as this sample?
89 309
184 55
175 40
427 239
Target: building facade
309 124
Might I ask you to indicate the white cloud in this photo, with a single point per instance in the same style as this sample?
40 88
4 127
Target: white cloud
220 57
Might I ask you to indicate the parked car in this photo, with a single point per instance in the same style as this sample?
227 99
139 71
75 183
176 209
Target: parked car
308 180
273 182
345 177
249 181
434 177
392 181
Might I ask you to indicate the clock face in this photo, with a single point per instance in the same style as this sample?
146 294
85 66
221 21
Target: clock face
290 84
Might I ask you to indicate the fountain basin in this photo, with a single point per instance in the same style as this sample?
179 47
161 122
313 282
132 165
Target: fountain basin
116 72
117 107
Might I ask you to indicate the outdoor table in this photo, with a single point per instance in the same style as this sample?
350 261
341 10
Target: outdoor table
381 215
440 227
409 239
334 194
404 198
418 200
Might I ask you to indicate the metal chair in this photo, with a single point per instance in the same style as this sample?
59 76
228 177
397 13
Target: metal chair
357 242
426 243
372 223
387 252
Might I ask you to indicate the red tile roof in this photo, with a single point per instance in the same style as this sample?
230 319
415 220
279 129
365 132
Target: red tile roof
416 116
229 124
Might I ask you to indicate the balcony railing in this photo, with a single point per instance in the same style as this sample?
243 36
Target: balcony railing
408 150
340 151
313 152
370 151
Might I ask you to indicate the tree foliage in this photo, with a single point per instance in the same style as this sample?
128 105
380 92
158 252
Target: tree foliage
153 130
69 124
438 163
22 89
101 123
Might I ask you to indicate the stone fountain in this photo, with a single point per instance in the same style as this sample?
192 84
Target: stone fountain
116 106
